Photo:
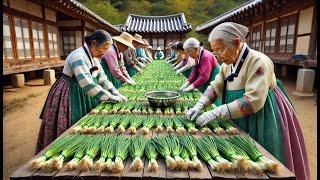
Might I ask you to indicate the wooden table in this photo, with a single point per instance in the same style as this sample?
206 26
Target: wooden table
163 173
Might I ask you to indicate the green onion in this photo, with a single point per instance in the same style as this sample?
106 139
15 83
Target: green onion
115 120
91 152
103 124
138 144
190 126
188 164
79 154
186 141
227 125
151 154
82 123
176 149
121 149
107 108
148 123
135 122
163 145
168 123
124 123
97 109
159 125
214 125
206 130
179 126
158 111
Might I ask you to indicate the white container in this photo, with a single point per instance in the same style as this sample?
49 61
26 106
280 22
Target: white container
305 80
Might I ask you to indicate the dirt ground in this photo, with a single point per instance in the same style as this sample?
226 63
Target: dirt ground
22 108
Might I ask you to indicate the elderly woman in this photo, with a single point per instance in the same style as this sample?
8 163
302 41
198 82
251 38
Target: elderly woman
140 46
205 69
129 57
186 64
174 53
253 98
158 55
79 89
113 63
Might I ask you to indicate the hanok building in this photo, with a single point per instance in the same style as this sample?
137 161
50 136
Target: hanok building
279 28
40 34
158 30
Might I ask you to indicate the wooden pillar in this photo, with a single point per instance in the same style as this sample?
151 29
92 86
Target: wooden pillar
313 36
45 29
82 30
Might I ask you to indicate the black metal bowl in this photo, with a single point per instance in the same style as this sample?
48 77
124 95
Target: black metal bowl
162 98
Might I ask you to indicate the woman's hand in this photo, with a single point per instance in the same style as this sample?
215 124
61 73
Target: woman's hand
221 112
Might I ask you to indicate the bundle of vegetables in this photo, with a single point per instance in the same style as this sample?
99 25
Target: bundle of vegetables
121 149
92 150
214 125
168 111
144 108
135 122
187 165
129 107
123 108
79 154
168 123
81 124
159 125
138 144
206 130
179 126
103 124
191 126
67 152
54 150
114 121
158 111
227 125
227 151
137 108
148 123
97 109
107 108
253 166
163 144
96 124
191 149
178 109
248 145
107 153
151 154
123 124
150 110
116 107
176 149
87 128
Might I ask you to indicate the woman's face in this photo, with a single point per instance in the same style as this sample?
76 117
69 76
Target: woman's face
98 51
226 53
194 52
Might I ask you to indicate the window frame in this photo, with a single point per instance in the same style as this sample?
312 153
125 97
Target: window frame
267 24
43 38
50 29
23 37
6 59
63 42
294 35
253 40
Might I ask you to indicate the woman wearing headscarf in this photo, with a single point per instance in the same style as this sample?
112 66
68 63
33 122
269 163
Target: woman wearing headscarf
253 98
205 69
80 88
140 46
129 57
158 55
112 61
185 66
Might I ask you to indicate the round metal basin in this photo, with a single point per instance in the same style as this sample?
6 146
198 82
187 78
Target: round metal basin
162 98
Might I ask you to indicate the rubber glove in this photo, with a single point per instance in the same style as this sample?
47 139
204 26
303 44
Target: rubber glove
221 112
115 98
189 88
186 84
194 112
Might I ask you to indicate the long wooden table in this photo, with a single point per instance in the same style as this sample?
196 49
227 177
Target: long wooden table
23 172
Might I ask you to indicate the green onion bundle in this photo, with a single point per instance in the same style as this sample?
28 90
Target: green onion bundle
138 144
86 129
144 108
206 130
178 109
81 124
107 152
227 125
148 123
163 144
137 109
169 111
191 127
103 124
168 123
248 145
55 149
67 152
121 149
187 143
188 164
158 111
79 154
227 151
151 154
116 108
159 125
115 120
97 109
176 149
92 150
179 126
214 125
150 110
107 108
124 123
94 128
135 122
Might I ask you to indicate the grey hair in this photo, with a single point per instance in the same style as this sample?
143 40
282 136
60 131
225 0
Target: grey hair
100 36
191 43
229 31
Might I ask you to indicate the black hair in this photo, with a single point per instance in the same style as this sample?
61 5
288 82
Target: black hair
100 36
201 44
180 46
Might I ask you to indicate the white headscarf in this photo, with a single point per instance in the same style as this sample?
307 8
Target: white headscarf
191 43
229 31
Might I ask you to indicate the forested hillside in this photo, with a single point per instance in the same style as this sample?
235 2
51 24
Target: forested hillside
196 11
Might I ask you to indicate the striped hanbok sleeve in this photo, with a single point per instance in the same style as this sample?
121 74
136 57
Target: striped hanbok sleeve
85 80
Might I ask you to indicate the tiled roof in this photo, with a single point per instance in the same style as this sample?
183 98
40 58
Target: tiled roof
228 14
156 24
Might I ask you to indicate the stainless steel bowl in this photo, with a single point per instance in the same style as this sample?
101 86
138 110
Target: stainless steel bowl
162 98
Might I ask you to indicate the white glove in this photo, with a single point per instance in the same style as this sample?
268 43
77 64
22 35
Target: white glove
220 112
186 84
124 99
194 112
115 98
131 82
178 71
189 88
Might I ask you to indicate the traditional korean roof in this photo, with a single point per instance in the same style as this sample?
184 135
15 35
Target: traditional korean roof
84 12
228 14
156 24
